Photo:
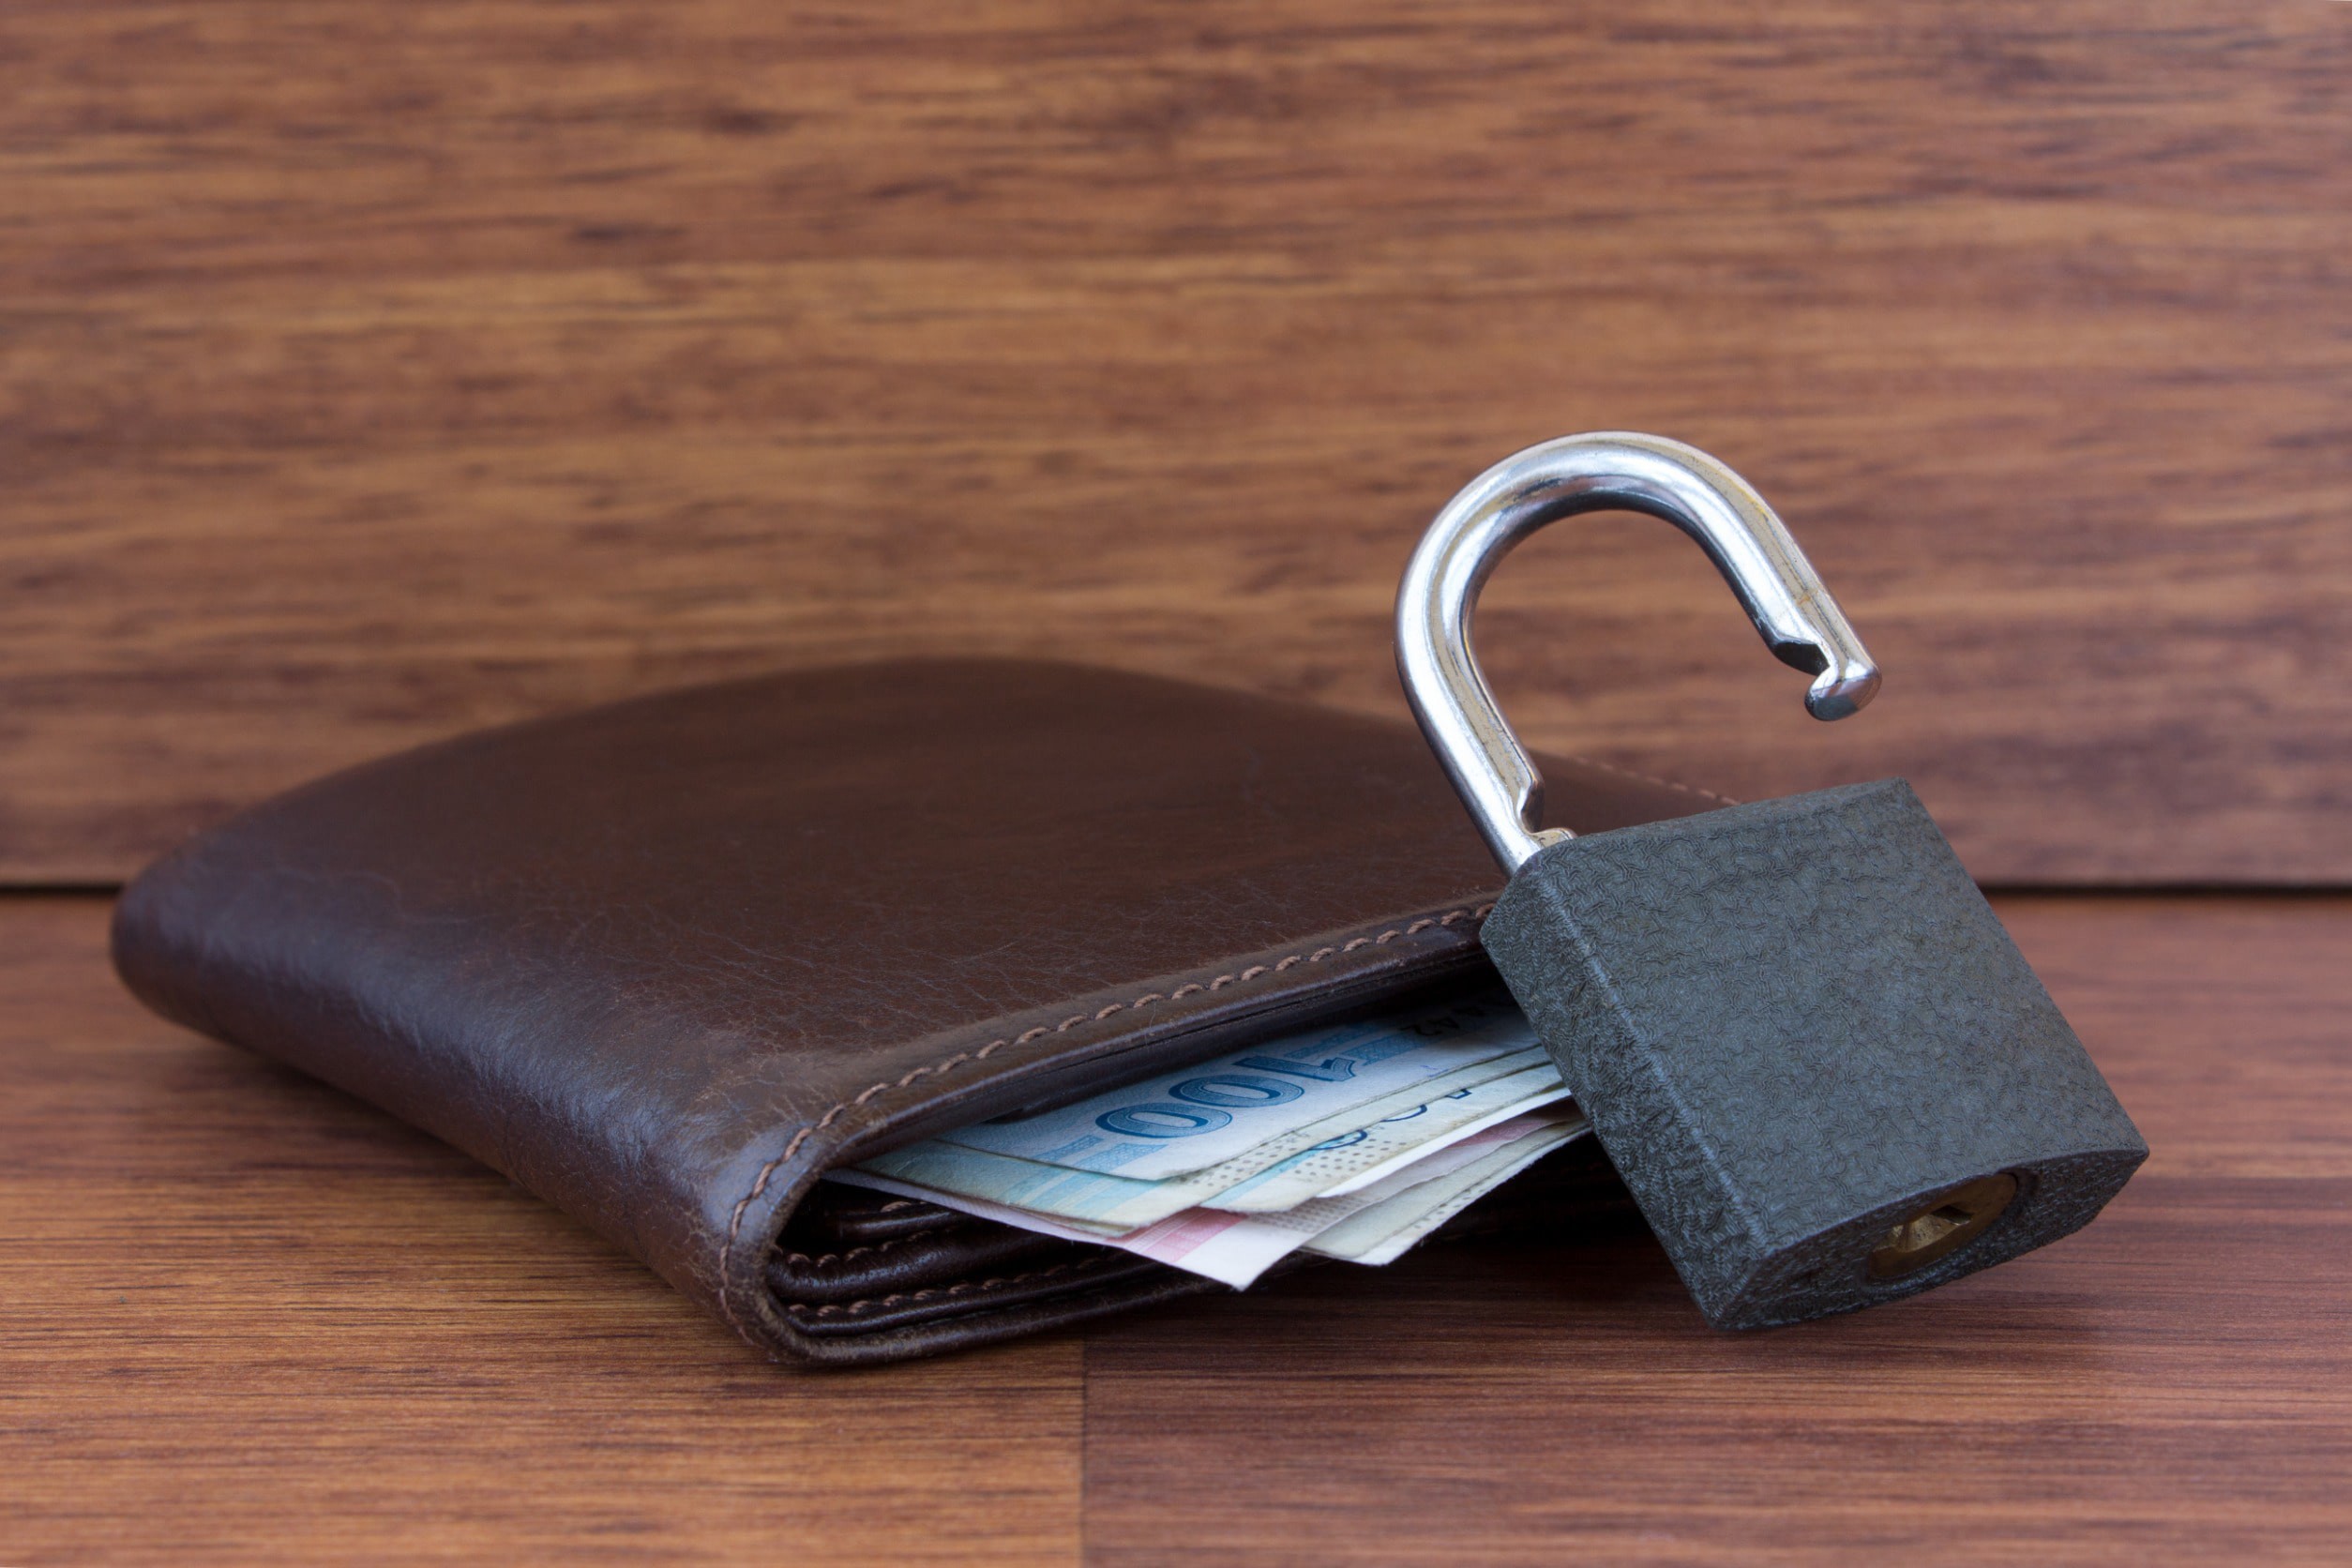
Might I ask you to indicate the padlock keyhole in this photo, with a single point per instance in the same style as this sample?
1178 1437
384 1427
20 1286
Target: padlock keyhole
1943 1228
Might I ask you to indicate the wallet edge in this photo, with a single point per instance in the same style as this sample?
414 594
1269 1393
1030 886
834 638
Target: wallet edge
1254 995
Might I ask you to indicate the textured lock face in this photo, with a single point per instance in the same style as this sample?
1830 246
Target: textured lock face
1825 1072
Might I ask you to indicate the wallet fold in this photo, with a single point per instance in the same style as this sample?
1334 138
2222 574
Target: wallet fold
667 962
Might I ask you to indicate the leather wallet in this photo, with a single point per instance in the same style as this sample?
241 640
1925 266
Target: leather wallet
667 961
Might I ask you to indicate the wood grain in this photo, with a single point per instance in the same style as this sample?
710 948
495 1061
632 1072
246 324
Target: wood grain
244 1318
2172 1386
375 371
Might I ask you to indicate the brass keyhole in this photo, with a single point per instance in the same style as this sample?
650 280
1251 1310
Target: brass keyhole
1943 1227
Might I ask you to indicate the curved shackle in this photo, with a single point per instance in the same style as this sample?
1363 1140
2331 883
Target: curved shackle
1609 470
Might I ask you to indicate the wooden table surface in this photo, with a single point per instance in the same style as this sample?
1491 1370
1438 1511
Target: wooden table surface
244 1318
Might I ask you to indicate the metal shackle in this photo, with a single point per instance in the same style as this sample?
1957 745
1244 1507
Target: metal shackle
1609 470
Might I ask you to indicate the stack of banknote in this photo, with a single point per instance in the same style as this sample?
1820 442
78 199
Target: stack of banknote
1353 1142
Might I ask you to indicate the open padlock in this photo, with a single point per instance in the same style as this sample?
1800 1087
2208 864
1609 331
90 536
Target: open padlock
1823 1069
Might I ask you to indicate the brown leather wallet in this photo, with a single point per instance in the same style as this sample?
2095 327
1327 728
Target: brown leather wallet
667 961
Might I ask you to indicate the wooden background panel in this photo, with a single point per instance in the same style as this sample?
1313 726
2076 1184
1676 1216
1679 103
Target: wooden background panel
244 1318
371 371
2173 1385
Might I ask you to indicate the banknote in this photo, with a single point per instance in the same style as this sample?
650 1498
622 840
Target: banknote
1234 1248
1355 1141
1384 1232
1202 1115
1355 1159
1404 1103
1105 1202
1238 1248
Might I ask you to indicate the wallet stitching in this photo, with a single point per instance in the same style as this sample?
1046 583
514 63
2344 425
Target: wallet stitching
760 1182
1078 1301
821 1259
960 1288
1648 778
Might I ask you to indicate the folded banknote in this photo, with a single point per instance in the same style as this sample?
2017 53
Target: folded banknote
1352 1142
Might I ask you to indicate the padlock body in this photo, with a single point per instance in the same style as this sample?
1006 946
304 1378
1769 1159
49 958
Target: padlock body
1825 1072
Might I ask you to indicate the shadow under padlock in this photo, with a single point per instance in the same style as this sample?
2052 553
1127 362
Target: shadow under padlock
1824 1071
